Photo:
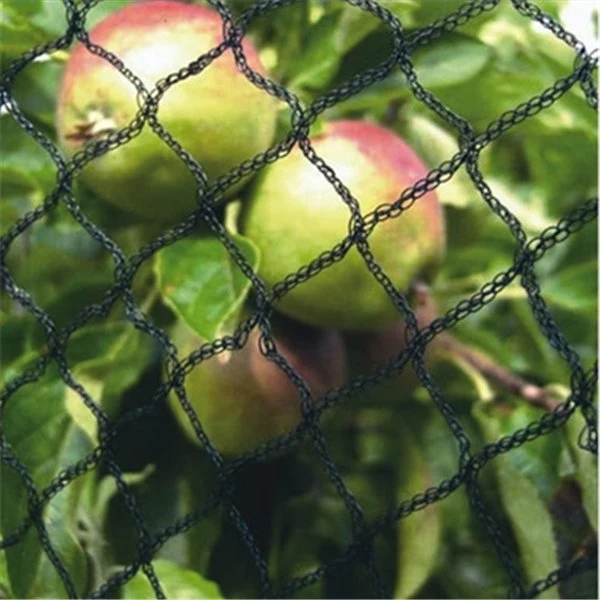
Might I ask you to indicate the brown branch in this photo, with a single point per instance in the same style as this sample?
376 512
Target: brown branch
490 369
498 374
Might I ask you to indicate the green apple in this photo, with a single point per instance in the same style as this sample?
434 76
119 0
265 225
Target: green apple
293 214
217 115
242 399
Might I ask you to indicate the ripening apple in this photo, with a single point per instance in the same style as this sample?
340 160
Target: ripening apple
370 350
293 214
217 115
242 399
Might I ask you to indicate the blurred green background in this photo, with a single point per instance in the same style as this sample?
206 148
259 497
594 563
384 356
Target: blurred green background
543 494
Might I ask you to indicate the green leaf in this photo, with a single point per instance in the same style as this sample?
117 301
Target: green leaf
27 8
320 57
36 91
79 412
17 33
375 97
537 460
527 478
103 10
565 183
419 534
44 259
403 9
520 71
531 524
45 439
477 383
175 581
107 489
201 283
5 591
525 202
573 288
303 527
22 153
466 567
16 332
429 11
51 19
354 26
112 357
585 468
435 145
179 481
283 35
452 60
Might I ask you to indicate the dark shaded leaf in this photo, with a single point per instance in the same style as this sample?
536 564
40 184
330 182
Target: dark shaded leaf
467 566
36 90
583 465
23 154
419 534
172 487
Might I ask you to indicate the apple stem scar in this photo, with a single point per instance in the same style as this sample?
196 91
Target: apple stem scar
94 126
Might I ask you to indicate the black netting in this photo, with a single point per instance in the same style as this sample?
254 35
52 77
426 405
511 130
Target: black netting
209 198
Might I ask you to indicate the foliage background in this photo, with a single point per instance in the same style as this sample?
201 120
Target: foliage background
543 493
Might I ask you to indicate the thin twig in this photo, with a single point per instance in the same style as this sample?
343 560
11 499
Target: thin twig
489 368
498 374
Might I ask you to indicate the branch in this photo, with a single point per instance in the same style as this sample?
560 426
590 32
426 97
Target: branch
503 377
491 370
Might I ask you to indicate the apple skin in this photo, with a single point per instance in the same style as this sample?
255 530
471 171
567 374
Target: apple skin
217 115
243 400
293 214
370 350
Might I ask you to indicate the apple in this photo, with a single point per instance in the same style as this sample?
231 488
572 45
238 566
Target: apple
242 399
370 350
217 115
293 214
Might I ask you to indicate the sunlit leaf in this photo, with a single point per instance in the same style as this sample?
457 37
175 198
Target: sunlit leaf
202 284
175 582
44 437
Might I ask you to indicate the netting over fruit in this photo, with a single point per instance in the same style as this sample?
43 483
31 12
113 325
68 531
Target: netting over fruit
527 251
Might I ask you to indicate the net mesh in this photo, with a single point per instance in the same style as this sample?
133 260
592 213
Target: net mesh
527 251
